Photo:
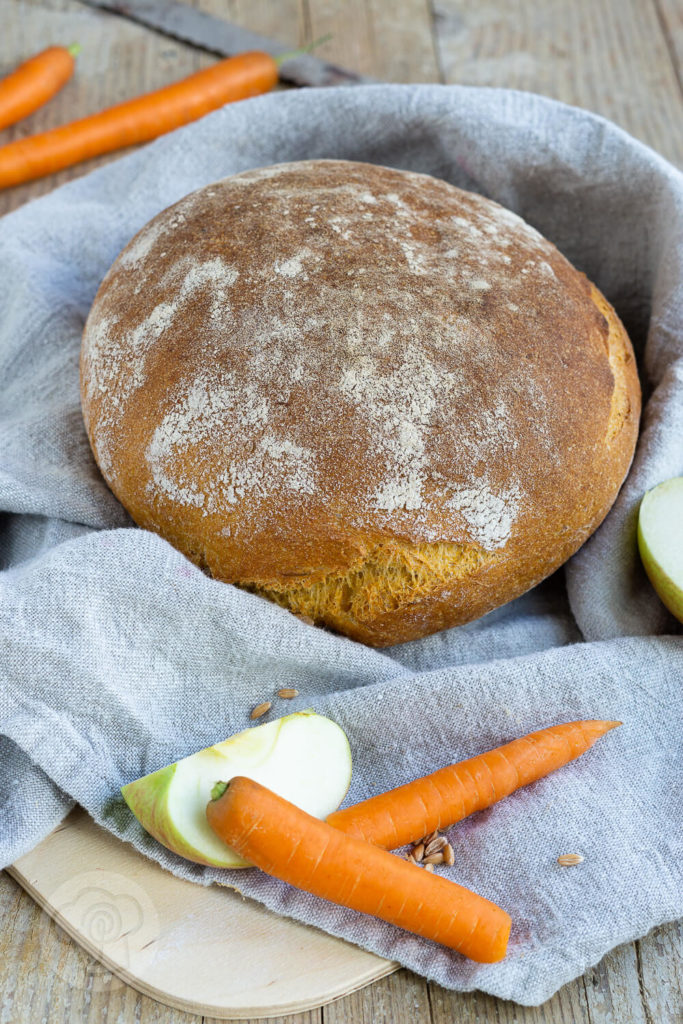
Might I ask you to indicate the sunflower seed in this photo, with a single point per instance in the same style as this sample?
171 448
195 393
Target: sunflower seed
429 867
568 860
435 845
287 693
434 858
448 855
418 851
261 709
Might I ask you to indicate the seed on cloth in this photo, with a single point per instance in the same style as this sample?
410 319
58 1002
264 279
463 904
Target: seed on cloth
568 860
261 709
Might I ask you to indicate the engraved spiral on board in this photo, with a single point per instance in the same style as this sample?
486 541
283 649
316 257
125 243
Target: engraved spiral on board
111 917
104 917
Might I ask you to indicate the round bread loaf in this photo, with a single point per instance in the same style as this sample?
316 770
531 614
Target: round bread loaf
385 403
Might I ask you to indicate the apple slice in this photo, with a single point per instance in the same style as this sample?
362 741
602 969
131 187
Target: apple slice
660 541
303 757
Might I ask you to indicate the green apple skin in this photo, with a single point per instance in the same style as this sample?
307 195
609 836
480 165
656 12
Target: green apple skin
148 800
660 542
304 757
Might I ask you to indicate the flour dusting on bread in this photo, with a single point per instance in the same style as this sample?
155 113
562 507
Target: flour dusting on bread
489 516
208 408
385 350
313 368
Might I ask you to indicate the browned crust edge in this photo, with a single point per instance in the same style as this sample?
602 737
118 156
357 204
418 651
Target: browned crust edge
410 590
491 579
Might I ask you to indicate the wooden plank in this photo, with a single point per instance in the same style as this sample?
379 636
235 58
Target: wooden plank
370 36
402 998
283 21
611 57
613 990
670 14
660 973
568 1006
44 976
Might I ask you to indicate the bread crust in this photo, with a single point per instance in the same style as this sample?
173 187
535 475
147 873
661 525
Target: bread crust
385 403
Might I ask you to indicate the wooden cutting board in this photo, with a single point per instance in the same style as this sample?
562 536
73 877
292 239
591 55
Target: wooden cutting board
204 949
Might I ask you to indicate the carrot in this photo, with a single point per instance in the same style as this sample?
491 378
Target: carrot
35 82
437 801
297 848
137 120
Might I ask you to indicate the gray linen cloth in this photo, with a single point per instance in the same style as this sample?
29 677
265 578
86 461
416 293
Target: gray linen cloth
119 656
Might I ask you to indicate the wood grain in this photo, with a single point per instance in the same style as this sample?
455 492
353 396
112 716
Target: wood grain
368 36
203 949
610 57
568 1005
612 988
670 14
621 58
398 999
46 977
283 21
659 959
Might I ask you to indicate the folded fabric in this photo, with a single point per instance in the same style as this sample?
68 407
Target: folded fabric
119 656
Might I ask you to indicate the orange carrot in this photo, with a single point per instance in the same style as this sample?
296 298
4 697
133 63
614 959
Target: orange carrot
437 801
35 82
137 120
295 847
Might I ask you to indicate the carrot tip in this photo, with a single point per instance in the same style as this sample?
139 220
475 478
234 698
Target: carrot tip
74 49
597 727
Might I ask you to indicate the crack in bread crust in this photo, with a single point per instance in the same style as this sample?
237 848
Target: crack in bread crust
391 577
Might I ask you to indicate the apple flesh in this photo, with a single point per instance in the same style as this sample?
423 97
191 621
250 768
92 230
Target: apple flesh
303 757
660 541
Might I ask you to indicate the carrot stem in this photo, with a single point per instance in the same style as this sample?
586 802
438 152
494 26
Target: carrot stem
218 789
437 801
291 54
289 844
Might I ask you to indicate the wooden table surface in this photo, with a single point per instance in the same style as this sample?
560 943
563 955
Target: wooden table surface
620 58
